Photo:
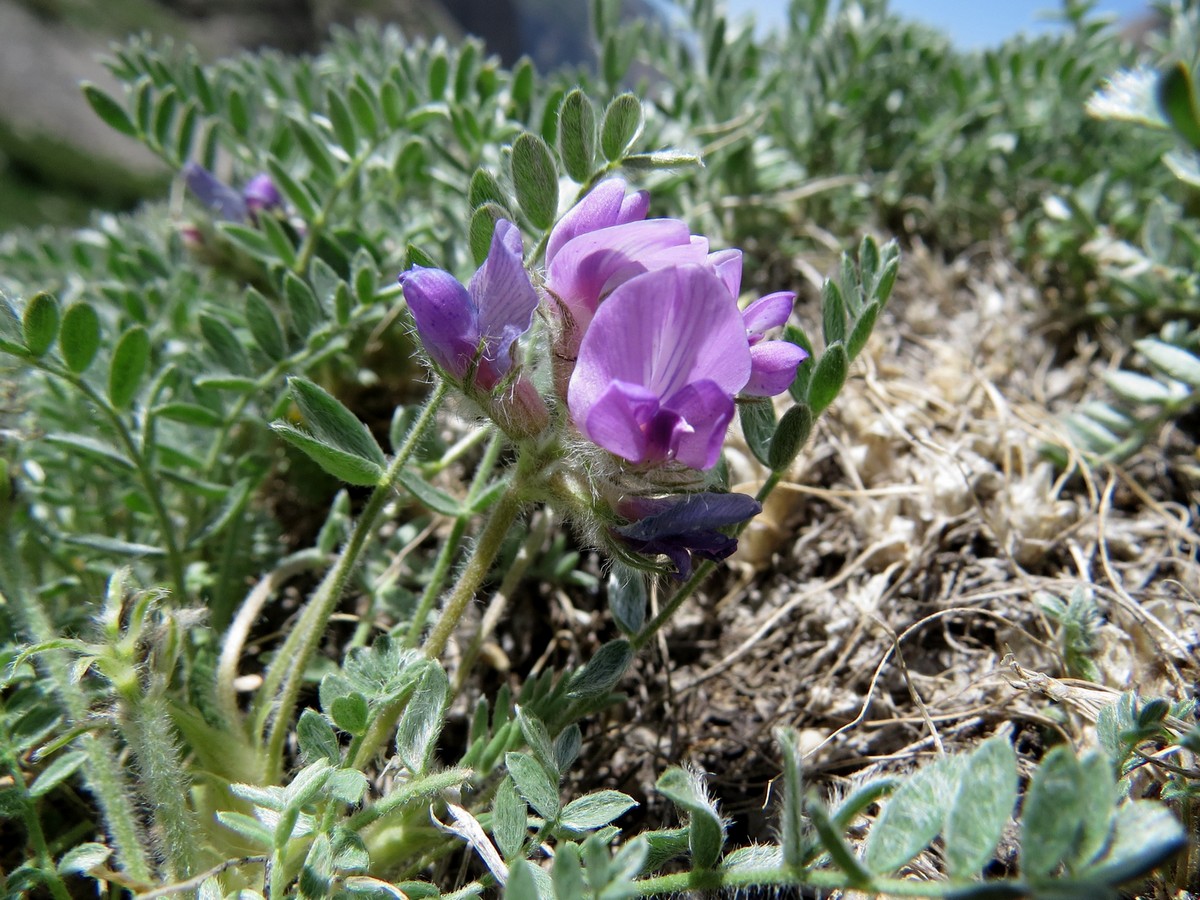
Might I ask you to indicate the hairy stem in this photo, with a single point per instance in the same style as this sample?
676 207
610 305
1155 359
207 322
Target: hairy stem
163 782
281 685
503 514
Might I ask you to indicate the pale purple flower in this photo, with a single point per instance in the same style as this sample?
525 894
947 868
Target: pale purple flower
659 368
605 205
477 324
603 242
226 203
681 528
773 363
261 194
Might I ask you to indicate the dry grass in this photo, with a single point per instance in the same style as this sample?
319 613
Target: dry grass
884 604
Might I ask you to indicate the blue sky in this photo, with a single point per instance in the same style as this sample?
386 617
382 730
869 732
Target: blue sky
969 24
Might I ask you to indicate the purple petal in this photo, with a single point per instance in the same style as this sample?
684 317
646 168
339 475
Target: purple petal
682 528
678 335
260 194
728 264
705 411
595 263
766 313
773 366
662 330
505 298
694 512
446 317
604 206
220 198
617 420
634 207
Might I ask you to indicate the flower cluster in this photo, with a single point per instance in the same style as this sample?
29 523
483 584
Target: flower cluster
649 351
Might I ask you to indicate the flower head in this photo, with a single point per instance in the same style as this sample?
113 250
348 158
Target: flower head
659 367
479 323
261 194
686 527
603 242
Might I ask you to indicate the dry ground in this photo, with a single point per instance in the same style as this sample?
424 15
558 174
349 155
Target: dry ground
885 603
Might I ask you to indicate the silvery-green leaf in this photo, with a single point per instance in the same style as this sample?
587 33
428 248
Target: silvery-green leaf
350 713
316 738
1052 813
567 874
509 819
706 831
40 323
333 423
538 789
79 336
911 817
603 670
621 126
536 180
627 598
595 809
538 738
83 858
128 365
1174 361
424 716
987 792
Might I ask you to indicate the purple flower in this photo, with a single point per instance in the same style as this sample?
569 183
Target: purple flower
260 194
224 201
605 205
683 528
773 363
474 325
659 367
603 242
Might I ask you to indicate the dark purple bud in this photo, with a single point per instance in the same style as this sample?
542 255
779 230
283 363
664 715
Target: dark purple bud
683 528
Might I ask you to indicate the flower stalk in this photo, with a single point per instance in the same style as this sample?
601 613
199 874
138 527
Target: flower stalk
282 682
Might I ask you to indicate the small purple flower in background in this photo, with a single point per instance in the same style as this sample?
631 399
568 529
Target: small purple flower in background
686 527
259 194
659 367
477 324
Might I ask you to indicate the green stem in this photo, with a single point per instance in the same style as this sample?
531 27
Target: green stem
441 567
282 682
163 782
149 482
317 225
102 770
503 514
706 880
405 794
37 837
700 573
